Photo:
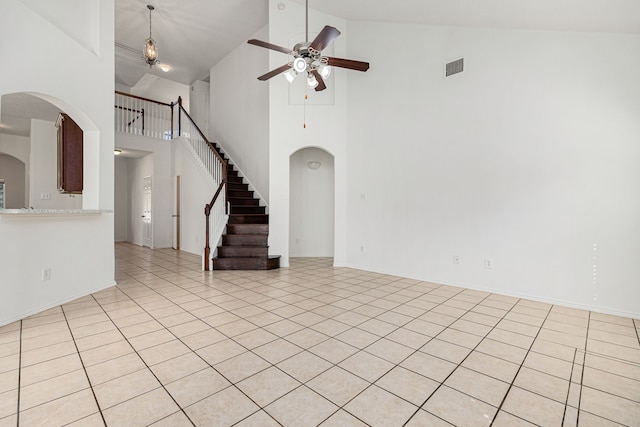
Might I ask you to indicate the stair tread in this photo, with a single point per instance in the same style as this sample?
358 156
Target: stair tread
269 262
249 257
246 247
245 244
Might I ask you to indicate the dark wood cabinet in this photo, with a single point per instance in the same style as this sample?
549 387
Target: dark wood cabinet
70 155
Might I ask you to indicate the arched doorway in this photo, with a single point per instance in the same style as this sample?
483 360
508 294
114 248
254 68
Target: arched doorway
312 206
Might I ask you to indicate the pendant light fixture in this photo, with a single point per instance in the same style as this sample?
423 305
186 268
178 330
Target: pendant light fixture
150 52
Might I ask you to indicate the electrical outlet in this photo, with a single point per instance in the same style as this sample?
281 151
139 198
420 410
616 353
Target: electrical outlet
456 259
297 241
361 248
488 263
45 196
46 274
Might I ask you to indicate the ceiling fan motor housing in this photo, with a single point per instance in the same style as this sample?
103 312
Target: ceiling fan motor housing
311 56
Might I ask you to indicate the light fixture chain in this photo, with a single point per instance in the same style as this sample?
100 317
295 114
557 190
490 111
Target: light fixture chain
307 21
150 53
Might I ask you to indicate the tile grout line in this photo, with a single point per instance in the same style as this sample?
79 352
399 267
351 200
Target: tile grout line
472 350
244 286
520 367
351 326
372 383
233 384
145 364
304 326
566 402
84 368
19 376
584 363
416 351
462 361
396 291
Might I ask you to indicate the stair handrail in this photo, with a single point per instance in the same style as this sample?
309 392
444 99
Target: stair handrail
222 185
145 99
216 165
136 104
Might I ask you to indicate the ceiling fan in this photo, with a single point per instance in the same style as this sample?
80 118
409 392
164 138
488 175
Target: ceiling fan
308 58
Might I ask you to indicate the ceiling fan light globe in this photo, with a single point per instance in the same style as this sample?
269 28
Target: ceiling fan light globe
311 81
299 65
290 75
324 71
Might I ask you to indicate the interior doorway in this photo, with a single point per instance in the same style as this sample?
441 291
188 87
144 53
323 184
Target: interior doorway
312 206
146 212
176 215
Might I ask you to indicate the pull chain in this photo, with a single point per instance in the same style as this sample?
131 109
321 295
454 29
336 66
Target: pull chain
306 96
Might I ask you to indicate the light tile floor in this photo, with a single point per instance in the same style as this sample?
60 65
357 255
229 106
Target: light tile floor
312 345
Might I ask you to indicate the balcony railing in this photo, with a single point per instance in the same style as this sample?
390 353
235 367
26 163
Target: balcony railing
144 117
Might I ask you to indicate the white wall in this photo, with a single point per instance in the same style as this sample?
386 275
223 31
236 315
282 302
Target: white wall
43 182
527 158
326 120
197 188
312 204
160 89
200 105
78 250
240 111
20 148
12 171
157 164
122 204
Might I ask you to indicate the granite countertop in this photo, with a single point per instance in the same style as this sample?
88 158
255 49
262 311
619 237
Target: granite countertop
51 212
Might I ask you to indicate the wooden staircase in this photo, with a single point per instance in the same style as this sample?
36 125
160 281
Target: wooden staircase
244 246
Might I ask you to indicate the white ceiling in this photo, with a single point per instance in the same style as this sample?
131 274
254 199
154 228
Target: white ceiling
193 35
19 108
571 15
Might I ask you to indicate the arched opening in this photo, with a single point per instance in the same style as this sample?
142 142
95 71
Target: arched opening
28 132
312 208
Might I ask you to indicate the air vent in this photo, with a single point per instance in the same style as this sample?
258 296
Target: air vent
454 67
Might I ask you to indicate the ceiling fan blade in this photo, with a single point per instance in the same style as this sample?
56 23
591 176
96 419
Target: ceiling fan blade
275 72
270 46
321 86
348 63
324 39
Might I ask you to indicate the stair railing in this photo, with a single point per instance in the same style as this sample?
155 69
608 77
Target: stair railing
217 167
136 115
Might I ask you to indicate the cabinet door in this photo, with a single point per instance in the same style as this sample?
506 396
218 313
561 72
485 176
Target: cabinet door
70 155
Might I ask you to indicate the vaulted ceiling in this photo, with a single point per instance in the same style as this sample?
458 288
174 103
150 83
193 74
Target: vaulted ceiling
193 35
